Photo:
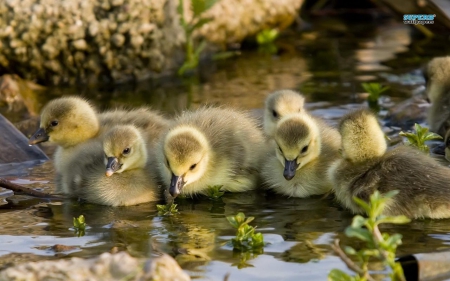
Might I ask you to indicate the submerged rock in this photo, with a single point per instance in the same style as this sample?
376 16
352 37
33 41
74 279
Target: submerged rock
120 266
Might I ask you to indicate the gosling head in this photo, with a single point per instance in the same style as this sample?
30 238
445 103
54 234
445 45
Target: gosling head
298 142
187 154
362 136
436 76
279 104
66 122
124 149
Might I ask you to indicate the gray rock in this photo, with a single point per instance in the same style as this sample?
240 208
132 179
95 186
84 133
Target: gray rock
119 266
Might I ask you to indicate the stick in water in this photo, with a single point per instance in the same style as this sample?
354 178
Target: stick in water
18 188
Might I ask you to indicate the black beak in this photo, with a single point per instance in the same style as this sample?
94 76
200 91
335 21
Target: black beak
289 169
176 184
38 137
112 166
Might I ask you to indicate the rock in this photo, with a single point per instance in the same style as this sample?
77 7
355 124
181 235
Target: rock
119 266
234 20
40 38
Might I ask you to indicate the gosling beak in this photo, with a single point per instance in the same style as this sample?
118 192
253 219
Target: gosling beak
176 184
38 137
112 166
289 169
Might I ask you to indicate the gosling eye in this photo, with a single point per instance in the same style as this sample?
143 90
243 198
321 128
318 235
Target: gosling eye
126 151
193 167
275 113
54 123
304 149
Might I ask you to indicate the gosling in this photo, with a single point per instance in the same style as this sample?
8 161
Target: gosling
211 146
279 104
71 121
438 91
129 178
304 148
366 166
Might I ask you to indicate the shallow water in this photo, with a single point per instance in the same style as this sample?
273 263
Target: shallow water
328 68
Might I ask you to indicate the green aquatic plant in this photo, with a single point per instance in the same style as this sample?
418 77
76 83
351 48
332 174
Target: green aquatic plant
167 210
379 246
374 90
419 137
79 224
214 192
246 239
266 36
266 39
193 49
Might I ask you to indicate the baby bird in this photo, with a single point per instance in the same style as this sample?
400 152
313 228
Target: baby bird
211 146
304 147
71 121
133 182
279 104
447 145
438 91
366 166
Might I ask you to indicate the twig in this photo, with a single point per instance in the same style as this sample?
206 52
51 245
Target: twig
350 264
18 188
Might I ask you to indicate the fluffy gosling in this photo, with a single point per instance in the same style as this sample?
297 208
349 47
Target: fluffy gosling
279 104
211 146
71 121
366 166
133 181
438 91
304 147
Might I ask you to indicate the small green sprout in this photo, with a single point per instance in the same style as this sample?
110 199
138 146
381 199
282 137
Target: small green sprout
419 137
266 39
267 36
79 225
374 90
246 239
167 210
214 192
193 48
381 246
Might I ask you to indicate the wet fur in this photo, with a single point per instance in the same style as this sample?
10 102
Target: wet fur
310 179
423 184
235 146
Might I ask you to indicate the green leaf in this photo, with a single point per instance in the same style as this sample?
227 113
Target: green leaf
350 250
358 221
362 204
370 252
360 233
240 218
338 275
257 240
198 24
391 194
200 6
266 36
395 220
232 221
394 240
